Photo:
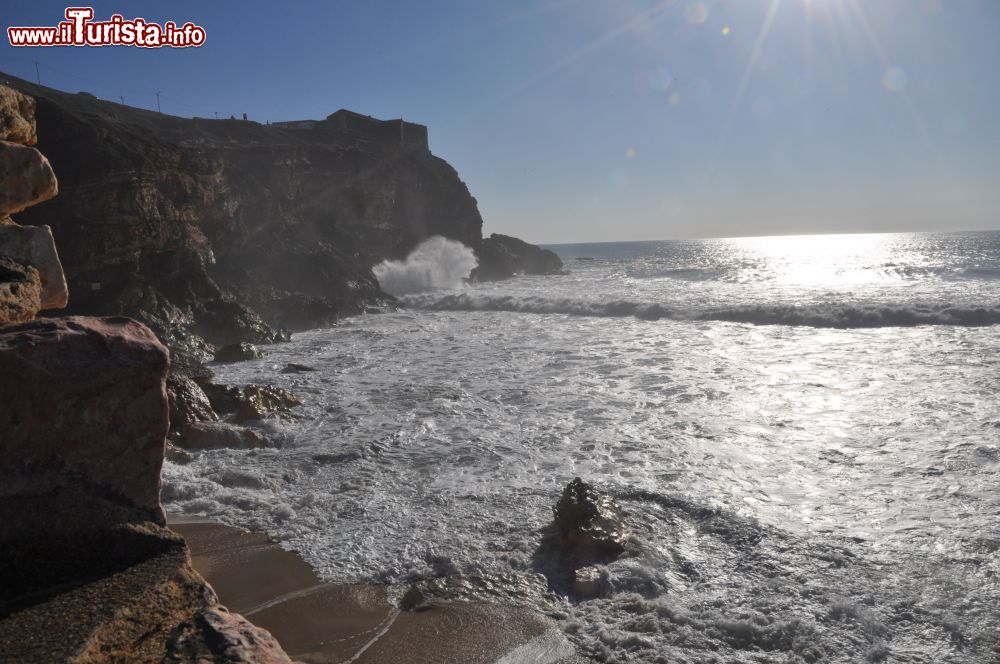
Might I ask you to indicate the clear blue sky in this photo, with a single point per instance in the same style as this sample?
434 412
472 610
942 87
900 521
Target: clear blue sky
591 120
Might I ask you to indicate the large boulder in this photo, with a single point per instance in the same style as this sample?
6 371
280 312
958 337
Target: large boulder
27 178
240 352
17 117
265 401
20 292
34 246
502 256
87 397
217 435
589 524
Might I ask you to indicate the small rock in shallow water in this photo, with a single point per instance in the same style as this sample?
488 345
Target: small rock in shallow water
412 599
215 435
262 401
296 368
238 353
588 522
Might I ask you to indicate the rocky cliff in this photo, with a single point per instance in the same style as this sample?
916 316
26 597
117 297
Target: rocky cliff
201 228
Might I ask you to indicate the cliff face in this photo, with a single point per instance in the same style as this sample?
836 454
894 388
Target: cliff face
185 223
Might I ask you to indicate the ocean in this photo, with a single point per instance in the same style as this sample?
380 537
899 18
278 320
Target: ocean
803 431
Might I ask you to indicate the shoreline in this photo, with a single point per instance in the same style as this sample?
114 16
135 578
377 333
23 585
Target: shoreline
319 623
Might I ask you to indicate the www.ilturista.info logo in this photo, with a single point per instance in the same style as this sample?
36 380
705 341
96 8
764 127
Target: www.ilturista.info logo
79 29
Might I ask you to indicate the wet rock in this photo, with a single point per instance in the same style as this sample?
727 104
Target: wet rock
411 599
589 524
188 402
34 246
177 455
588 583
87 395
293 368
185 364
20 292
502 256
216 635
240 352
27 178
225 399
224 322
262 401
216 435
17 117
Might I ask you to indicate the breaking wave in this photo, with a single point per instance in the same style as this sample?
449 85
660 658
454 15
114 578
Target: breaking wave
819 315
437 263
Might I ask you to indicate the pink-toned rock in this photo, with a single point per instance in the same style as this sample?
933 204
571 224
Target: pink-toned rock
17 116
88 396
220 636
27 178
34 246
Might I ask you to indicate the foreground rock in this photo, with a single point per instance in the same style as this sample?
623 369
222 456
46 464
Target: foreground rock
589 524
17 117
34 246
86 396
20 292
27 178
502 256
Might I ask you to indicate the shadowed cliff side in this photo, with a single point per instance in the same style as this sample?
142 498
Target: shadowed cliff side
179 222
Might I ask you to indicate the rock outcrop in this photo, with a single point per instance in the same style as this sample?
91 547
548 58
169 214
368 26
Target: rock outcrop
179 223
89 573
589 524
502 256
20 292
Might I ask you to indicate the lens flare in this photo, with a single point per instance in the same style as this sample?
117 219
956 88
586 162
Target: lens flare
894 79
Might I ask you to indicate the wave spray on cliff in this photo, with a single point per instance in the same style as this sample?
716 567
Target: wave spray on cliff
436 263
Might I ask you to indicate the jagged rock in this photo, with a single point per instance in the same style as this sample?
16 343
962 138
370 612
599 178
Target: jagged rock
27 178
20 292
17 117
588 583
502 256
224 398
185 364
227 323
411 599
215 435
188 402
34 246
240 352
216 635
589 524
87 395
262 401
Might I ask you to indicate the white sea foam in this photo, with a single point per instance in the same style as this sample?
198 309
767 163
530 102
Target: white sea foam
437 263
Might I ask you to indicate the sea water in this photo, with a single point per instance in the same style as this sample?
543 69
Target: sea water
803 431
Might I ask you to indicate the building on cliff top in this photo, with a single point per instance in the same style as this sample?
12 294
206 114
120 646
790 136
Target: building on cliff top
406 135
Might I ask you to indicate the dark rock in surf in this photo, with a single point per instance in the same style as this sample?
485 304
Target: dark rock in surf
217 435
292 368
589 523
225 399
188 402
240 352
502 256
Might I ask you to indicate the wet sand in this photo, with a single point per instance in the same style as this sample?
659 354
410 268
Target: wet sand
331 623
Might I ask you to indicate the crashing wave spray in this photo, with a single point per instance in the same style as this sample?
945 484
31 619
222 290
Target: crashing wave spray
436 263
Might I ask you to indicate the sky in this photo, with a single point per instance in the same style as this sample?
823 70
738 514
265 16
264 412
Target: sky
610 120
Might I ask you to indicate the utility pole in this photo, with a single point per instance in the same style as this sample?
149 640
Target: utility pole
122 98
158 103
216 115
38 76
